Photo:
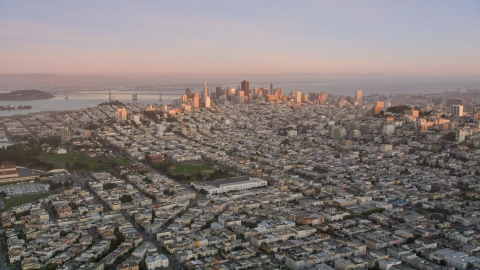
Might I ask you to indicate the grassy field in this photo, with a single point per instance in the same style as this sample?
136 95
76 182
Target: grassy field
192 168
16 201
59 161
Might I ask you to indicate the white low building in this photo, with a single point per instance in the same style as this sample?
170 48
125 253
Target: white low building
156 261
231 184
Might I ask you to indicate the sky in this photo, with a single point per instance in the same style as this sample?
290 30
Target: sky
405 37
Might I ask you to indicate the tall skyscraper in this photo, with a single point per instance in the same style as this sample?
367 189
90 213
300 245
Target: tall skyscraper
271 88
322 98
297 95
196 100
184 99
205 90
457 110
278 92
241 97
121 114
188 92
219 91
246 88
359 97
207 102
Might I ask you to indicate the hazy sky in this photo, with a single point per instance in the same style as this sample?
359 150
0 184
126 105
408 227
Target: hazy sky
249 37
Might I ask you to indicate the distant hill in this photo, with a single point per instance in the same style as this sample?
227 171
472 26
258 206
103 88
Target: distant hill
22 95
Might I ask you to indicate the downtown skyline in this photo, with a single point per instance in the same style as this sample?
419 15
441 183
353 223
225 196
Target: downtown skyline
224 38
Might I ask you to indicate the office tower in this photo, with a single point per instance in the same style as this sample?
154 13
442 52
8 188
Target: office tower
271 88
265 92
305 98
246 88
380 104
207 102
188 92
196 100
65 134
241 97
297 95
312 96
109 95
457 110
219 91
205 90
121 114
321 98
278 92
184 99
359 97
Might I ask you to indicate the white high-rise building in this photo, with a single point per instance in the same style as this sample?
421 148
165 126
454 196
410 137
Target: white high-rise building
297 95
121 114
457 110
241 97
207 102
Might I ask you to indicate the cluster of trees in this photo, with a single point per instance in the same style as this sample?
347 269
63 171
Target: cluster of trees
112 102
147 180
169 192
218 174
369 212
77 166
53 141
398 109
57 185
20 154
108 186
125 198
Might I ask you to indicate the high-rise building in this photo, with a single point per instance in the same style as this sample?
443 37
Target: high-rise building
297 95
271 88
207 102
246 88
457 110
196 100
359 97
205 90
121 114
188 92
278 92
65 134
321 98
219 91
380 104
241 97
184 99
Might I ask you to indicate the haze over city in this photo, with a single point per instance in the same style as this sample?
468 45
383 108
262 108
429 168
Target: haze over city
220 38
239 135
